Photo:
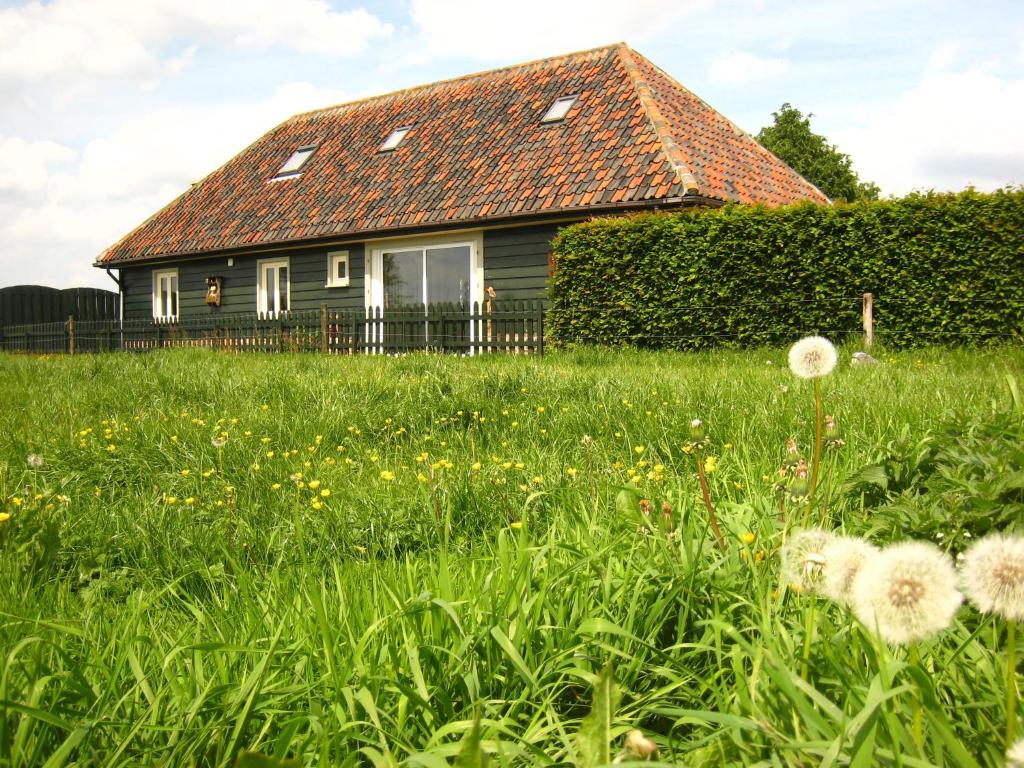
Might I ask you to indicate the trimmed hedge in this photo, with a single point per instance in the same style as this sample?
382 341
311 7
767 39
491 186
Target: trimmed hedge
943 268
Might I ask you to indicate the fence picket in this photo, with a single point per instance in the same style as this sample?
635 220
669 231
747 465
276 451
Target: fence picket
499 327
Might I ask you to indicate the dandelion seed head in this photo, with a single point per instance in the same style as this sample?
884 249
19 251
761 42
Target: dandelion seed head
34 460
992 574
637 747
844 558
1015 756
812 357
803 559
219 442
907 592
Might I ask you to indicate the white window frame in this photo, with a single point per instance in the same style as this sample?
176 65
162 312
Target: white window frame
395 138
262 305
374 290
160 312
298 159
560 108
333 259
374 283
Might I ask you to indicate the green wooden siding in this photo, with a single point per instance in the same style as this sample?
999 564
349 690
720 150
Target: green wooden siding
26 304
516 261
308 269
515 265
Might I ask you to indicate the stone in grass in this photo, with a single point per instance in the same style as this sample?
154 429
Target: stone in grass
863 358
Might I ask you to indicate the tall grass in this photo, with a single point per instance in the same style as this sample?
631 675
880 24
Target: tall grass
170 601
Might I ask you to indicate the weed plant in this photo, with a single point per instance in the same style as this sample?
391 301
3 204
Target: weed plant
356 561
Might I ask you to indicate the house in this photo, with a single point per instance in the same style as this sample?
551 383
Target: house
447 192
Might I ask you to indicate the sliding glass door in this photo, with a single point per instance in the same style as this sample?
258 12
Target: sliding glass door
423 276
436 281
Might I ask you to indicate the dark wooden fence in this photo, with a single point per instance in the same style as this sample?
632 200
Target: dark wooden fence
35 304
504 327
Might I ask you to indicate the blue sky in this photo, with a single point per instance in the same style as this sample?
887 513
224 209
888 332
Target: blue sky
112 107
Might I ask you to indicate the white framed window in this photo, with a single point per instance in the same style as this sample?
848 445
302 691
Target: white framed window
559 109
293 165
165 294
337 269
273 286
395 138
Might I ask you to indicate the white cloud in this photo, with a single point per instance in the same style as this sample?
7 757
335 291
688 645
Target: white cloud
741 67
25 166
104 38
534 28
59 209
951 130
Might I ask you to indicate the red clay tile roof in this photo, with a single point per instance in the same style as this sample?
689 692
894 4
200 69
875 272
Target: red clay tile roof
477 151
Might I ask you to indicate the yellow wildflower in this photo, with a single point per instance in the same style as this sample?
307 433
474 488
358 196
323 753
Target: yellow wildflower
387 476
748 538
314 484
325 492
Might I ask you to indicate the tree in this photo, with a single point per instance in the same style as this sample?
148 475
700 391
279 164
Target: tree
790 138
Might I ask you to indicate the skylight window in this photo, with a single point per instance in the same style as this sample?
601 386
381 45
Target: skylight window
559 109
293 166
392 141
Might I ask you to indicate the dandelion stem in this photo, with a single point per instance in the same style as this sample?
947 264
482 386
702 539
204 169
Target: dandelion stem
918 727
808 637
1011 682
707 501
819 420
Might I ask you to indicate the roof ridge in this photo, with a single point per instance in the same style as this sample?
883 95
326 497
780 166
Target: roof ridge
736 128
457 79
658 123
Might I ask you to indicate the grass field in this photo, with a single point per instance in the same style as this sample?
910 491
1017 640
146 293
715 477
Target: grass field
348 561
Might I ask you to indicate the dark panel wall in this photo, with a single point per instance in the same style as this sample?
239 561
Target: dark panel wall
515 265
238 289
516 261
26 304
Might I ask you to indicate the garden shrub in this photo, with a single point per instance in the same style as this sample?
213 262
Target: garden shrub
943 268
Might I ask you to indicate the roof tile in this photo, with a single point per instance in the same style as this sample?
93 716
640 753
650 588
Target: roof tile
477 148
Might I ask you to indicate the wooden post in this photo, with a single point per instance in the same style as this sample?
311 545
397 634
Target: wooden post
491 295
869 320
71 334
325 340
540 327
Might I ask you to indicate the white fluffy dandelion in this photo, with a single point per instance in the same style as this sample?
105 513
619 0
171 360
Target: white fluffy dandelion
908 592
812 357
803 559
34 460
992 574
844 558
1015 755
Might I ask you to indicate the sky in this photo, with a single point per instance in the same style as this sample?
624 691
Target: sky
109 109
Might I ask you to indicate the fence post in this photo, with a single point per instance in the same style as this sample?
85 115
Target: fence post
325 341
71 334
869 320
540 327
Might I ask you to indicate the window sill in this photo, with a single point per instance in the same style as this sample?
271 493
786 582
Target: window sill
337 285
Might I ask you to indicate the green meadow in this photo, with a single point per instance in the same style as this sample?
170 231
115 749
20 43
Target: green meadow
430 560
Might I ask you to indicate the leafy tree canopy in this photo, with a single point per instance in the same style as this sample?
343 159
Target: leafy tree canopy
790 138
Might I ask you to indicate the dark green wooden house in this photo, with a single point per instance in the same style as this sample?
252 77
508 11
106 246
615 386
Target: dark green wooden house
445 193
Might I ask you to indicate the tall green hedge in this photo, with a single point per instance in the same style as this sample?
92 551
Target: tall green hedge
943 268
